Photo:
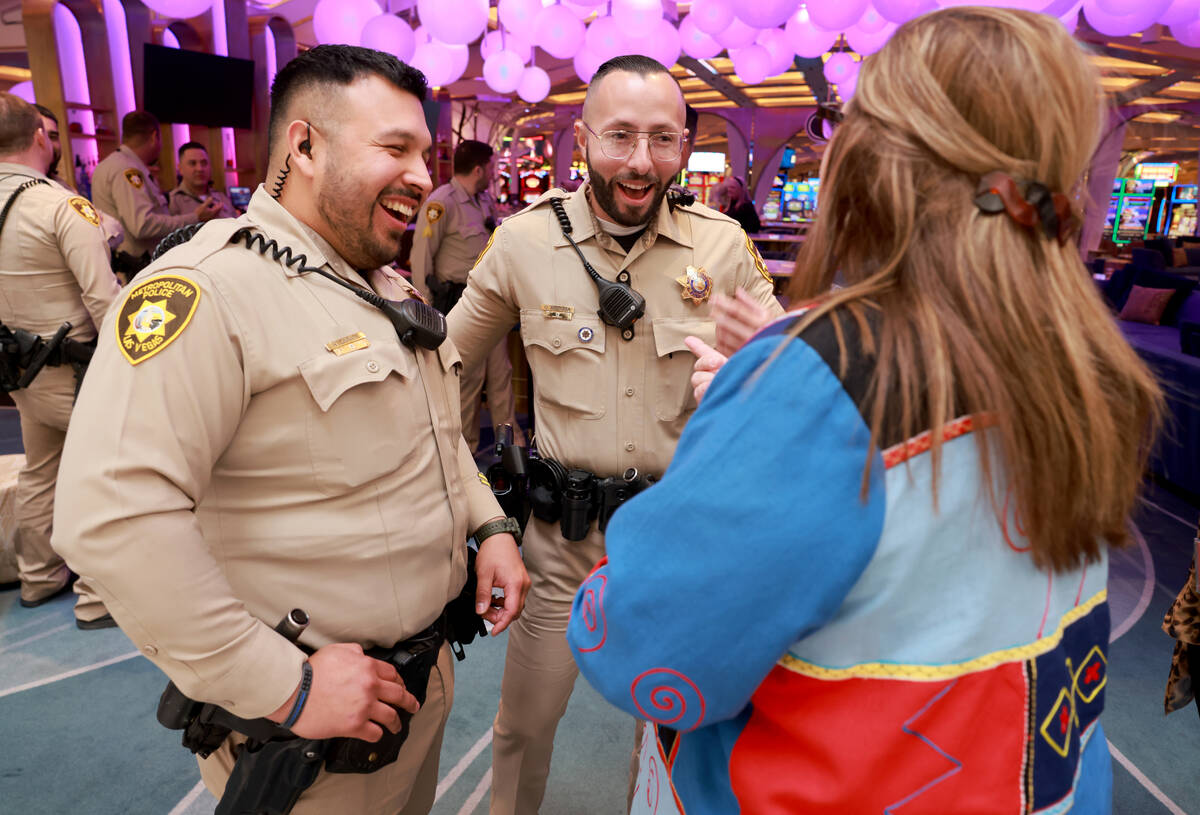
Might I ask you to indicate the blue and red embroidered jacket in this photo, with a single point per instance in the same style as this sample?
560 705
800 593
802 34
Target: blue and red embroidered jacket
822 654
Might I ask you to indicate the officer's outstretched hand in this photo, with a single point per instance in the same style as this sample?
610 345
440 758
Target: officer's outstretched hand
708 361
499 566
210 209
738 319
352 695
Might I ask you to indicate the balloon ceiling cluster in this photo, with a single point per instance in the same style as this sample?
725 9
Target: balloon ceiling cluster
761 37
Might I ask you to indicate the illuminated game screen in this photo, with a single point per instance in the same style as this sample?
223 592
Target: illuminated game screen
1140 187
1133 217
1186 193
1183 220
1110 220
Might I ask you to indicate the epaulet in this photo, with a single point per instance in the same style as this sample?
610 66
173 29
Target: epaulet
702 211
542 200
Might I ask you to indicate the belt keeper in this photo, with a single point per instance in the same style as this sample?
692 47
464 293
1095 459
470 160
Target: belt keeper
306 674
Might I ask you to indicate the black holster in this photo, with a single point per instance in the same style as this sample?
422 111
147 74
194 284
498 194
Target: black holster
463 625
445 294
576 498
274 767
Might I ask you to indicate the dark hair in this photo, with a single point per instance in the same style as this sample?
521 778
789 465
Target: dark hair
192 145
45 111
471 154
634 64
336 65
138 125
19 122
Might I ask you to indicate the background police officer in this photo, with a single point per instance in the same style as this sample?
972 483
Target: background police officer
123 186
255 436
608 401
195 184
454 225
53 269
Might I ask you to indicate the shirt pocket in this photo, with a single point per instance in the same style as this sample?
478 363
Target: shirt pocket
673 395
567 359
365 415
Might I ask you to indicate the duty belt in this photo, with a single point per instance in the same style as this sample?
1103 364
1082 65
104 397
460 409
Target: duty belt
575 498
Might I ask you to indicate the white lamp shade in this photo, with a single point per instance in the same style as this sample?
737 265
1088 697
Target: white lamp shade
558 32
835 15
765 13
390 34
604 38
535 85
777 45
694 42
456 23
736 35
637 18
805 38
752 64
341 22
712 16
502 71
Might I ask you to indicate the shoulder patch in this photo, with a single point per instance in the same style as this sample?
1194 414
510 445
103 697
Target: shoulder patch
85 209
434 211
153 314
759 263
135 178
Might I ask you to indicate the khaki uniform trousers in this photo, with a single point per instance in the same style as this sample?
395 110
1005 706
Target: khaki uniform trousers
407 786
45 409
501 405
539 670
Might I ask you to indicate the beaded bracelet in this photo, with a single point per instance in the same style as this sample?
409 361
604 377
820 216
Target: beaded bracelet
302 697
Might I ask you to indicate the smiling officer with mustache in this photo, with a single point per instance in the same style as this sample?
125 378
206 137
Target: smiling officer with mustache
608 400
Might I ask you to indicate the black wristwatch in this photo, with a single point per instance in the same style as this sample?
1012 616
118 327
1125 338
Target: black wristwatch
490 528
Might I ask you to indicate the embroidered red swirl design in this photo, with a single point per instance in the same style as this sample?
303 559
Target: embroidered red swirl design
591 609
674 700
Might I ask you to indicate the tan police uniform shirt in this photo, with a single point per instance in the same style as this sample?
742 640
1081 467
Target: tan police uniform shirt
239 450
54 263
182 202
123 186
451 232
605 404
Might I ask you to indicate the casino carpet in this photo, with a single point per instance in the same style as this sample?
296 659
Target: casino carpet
77 729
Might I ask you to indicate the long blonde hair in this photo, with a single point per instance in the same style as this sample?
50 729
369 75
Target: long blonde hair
975 313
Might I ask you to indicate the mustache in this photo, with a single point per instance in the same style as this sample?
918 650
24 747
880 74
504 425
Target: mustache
648 179
408 192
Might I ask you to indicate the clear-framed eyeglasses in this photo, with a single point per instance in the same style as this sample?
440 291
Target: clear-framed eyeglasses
665 145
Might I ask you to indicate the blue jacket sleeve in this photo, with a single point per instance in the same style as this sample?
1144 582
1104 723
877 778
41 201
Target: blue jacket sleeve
752 540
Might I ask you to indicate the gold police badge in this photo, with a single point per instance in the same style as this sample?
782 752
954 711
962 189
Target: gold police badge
759 263
154 314
697 285
135 178
85 209
433 214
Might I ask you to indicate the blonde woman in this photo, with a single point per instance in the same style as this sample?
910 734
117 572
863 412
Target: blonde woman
874 574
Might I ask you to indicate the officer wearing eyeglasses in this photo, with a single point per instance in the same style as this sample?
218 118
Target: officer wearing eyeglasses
609 400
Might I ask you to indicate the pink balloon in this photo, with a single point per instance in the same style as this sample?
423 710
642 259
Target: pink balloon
752 64
518 15
736 35
661 44
835 15
457 23
712 16
1181 13
1188 35
340 22
535 84
1114 25
505 41
871 21
559 32
586 64
437 63
777 45
765 13
696 43
502 71
839 66
849 84
900 11
868 42
637 18
390 34
179 9
460 56
24 90
805 38
604 38
1119 8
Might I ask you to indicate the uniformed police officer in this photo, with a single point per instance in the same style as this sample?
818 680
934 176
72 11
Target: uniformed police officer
255 436
123 186
110 226
53 269
609 401
453 227
195 184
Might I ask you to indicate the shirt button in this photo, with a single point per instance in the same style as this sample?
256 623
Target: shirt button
556 342
629 391
150 650
630 446
372 366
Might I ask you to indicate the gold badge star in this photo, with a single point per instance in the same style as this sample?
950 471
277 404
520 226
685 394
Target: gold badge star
150 320
697 285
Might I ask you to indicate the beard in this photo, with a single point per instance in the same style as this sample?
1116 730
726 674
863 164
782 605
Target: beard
606 196
353 224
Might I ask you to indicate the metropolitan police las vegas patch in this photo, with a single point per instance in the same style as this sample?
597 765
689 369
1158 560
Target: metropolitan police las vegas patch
154 314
